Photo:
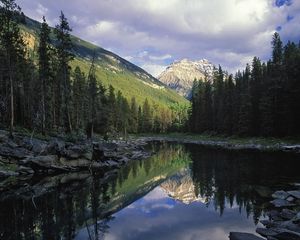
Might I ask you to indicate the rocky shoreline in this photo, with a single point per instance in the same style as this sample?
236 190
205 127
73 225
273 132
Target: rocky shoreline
283 222
278 147
26 156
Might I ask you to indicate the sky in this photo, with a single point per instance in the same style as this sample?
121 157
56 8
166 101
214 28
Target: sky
154 33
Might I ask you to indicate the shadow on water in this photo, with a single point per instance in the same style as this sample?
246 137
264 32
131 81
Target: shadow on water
88 206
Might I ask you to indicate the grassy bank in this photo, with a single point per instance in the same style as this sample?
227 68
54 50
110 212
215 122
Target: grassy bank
232 142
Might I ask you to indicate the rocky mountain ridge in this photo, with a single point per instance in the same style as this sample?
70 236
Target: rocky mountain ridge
180 75
181 187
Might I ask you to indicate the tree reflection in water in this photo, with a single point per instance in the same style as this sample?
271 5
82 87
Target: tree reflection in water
224 179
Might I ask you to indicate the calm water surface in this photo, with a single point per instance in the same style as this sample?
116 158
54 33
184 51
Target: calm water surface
182 192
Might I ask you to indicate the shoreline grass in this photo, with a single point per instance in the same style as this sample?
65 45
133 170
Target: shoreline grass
235 140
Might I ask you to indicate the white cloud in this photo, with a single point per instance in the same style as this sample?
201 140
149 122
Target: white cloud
161 57
128 58
41 10
154 69
225 32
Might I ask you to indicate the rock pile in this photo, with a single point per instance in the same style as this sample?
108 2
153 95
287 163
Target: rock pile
24 155
283 222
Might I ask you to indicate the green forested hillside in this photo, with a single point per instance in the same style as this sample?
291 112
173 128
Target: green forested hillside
111 70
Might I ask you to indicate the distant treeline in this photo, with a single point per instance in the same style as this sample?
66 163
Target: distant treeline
46 96
263 100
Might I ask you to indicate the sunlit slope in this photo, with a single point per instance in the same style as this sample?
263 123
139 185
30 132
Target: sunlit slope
112 69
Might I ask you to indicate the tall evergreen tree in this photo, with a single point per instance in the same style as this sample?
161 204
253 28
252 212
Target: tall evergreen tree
218 94
112 118
277 53
244 124
237 101
291 100
119 105
80 100
12 51
133 116
64 49
266 103
255 95
92 99
146 117
228 105
277 86
45 73
140 120
194 108
125 115
208 108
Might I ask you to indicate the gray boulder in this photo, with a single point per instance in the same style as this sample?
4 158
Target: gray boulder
6 174
243 236
295 194
266 232
296 219
49 162
280 195
291 226
74 151
54 147
287 235
25 170
14 153
282 203
32 144
111 147
287 214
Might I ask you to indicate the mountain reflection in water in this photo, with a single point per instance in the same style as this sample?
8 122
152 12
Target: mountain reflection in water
182 192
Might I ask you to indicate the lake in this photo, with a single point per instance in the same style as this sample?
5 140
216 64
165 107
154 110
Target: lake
183 191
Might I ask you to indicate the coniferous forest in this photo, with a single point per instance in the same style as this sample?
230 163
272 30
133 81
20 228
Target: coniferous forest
45 95
262 100
93 146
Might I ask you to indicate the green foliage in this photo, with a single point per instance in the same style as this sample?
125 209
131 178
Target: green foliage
131 80
64 46
67 88
79 99
45 75
263 100
13 64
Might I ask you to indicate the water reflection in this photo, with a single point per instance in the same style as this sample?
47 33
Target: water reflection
182 192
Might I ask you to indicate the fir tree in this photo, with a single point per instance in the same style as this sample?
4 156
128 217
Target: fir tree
12 48
146 117
64 49
207 102
218 94
244 124
133 116
255 95
80 100
92 99
111 122
228 105
45 73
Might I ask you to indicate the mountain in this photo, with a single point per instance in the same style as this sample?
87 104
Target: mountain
113 70
180 75
182 188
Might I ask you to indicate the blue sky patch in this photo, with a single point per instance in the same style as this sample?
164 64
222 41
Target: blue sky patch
280 3
289 18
